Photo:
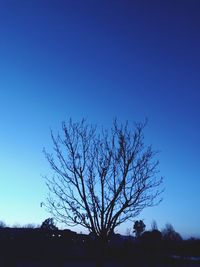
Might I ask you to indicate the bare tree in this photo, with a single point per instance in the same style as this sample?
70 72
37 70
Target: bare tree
102 178
154 225
170 234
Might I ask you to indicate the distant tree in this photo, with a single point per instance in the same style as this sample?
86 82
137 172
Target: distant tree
101 178
17 225
30 226
2 224
128 231
154 225
170 234
138 228
48 224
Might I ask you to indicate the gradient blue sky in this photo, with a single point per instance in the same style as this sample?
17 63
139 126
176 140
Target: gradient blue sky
100 60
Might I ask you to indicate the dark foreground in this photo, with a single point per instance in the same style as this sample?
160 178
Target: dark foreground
74 263
39 248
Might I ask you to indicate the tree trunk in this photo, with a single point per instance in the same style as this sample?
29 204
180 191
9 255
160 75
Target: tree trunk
102 244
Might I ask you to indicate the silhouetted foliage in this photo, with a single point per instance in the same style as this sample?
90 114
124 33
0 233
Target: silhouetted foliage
48 224
138 228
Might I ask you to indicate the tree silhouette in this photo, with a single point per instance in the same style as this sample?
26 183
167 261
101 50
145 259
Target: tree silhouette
2 224
154 225
102 178
139 228
170 234
48 224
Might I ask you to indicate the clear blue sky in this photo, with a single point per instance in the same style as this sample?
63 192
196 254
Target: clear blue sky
100 59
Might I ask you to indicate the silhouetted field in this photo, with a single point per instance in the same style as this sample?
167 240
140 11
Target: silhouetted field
45 248
107 264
